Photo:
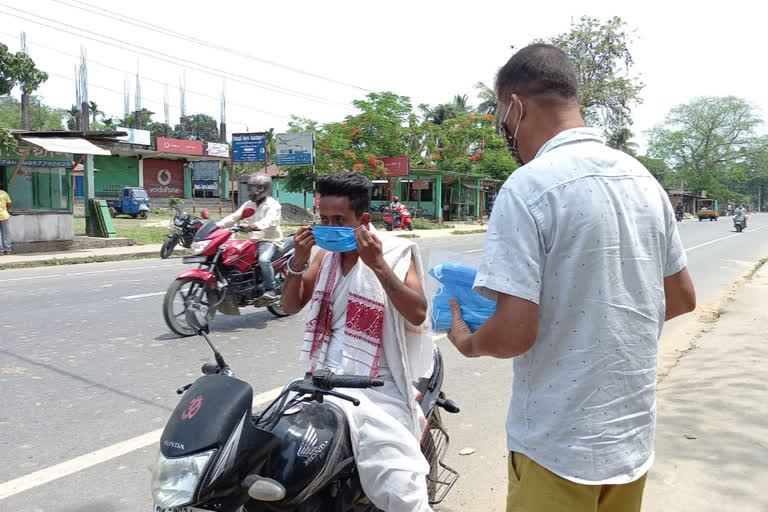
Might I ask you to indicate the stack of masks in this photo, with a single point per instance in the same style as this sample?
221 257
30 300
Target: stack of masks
457 282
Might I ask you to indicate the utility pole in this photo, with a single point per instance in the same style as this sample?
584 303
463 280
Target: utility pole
223 126
183 104
24 95
137 121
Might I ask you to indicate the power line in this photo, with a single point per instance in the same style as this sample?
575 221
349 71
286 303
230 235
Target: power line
159 82
164 57
165 31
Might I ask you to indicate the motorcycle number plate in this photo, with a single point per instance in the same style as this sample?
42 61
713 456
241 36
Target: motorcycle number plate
158 508
195 259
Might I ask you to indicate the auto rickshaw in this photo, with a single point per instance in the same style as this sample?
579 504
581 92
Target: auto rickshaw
707 209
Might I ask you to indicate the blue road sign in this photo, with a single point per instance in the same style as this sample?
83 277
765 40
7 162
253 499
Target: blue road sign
249 147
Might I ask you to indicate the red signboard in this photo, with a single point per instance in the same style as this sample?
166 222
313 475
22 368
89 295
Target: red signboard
395 165
163 178
185 147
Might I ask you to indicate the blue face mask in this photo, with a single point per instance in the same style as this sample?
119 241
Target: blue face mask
335 238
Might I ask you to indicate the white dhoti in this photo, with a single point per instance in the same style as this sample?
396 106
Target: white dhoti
389 461
354 329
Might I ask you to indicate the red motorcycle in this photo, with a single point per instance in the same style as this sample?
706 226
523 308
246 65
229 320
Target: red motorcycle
398 218
228 277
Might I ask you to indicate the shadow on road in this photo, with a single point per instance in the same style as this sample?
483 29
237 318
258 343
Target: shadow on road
87 381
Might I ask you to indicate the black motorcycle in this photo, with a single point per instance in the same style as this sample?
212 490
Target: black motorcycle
216 454
183 231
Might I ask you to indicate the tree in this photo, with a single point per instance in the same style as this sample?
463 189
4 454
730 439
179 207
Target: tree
41 116
659 169
602 61
707 139
20 69
93 108
73 121
488 99
111 124
621 139
145 115
199 127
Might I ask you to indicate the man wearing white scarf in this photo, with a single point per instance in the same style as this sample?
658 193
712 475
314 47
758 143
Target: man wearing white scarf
367 316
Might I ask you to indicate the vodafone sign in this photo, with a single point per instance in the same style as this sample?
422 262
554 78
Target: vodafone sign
163 178
184 147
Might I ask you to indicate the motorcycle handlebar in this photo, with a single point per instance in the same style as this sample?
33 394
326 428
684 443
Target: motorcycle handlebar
331 380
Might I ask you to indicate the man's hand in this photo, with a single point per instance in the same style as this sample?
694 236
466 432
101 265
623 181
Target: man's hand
369 248
303 241
460 332
252 228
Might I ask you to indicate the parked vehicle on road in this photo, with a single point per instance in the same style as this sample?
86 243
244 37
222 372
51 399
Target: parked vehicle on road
294 456
227 278
183 231
132 201
398 218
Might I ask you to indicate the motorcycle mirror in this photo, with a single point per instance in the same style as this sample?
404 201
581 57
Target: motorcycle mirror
248 212
196 320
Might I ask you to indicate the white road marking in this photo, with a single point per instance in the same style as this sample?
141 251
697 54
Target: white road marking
51 473
689 249
70 274
473 250
141 296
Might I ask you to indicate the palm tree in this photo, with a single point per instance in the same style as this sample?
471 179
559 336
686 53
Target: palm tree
73 123
93 108
440 114
488 99
271 148
460 103
621 139
109 124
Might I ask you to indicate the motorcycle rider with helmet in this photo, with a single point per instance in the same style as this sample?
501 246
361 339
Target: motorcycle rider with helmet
264 226
395 206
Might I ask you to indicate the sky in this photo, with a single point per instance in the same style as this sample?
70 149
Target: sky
312 58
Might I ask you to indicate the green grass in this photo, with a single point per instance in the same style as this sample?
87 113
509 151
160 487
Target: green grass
422 223
468 232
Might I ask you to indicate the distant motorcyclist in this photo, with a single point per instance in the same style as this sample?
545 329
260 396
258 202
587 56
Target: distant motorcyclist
264 225
395 207
679 211
740 214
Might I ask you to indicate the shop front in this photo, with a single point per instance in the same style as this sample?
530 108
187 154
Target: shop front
41 195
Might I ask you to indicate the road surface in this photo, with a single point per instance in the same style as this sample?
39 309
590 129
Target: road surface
88 372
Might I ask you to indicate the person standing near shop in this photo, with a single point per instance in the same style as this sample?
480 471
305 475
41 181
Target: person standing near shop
585 263
5 228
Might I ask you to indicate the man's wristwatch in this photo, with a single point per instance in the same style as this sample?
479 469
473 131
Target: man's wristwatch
289 265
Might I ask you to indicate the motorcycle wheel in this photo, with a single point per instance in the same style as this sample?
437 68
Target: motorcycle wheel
169 245
277 309
389 227
410 226
182 294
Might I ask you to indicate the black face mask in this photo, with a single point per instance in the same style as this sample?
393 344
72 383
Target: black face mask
511 140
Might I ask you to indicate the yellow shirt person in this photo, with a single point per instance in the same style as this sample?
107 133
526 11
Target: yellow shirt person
5 231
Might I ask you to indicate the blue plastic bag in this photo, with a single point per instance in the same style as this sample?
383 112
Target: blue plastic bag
457 281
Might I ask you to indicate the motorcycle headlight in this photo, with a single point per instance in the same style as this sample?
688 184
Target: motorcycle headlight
198 247
174 481
179 222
